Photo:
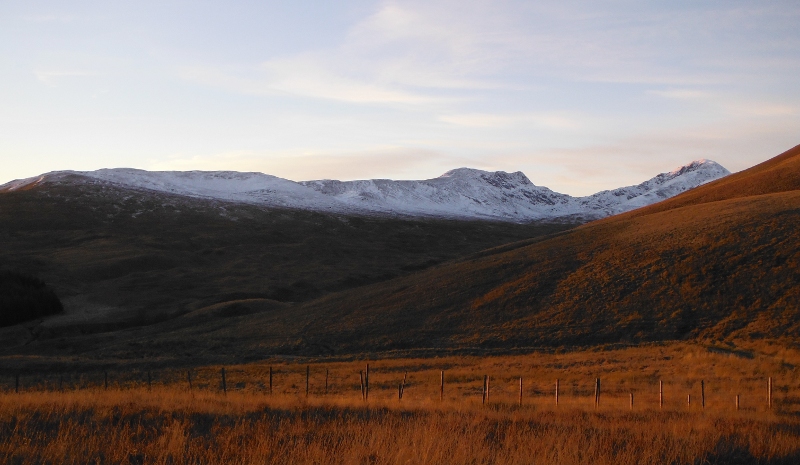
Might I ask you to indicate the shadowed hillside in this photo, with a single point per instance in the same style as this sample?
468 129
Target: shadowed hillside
121 258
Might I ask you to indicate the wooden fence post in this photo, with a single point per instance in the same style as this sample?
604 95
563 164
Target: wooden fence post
557 391
597 392
441 387
769 393
689 400
737 402
631 400
702 393
270 380
660 394
403 386
366 383
224 383
361 377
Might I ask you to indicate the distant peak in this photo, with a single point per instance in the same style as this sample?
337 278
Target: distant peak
461 172
698 164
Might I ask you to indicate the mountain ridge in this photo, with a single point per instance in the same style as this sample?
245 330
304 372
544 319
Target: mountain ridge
461 193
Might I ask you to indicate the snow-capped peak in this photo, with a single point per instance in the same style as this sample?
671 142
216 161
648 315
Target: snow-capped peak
495 178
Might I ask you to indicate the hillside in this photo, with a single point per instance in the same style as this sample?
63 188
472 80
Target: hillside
719 262
118 259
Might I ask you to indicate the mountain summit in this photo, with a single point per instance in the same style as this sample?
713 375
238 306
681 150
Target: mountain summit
462 193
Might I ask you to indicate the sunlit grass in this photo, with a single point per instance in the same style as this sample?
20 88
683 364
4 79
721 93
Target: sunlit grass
169 423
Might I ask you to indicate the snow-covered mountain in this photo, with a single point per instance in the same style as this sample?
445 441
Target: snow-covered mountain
462 193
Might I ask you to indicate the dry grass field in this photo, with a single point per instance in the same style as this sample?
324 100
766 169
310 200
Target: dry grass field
171 423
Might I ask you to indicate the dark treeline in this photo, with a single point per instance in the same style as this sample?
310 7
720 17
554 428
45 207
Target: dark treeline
24 297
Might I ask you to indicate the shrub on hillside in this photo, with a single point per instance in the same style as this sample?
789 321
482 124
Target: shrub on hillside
24 298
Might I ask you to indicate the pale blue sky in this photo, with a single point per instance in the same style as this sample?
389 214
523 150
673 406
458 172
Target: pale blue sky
581 96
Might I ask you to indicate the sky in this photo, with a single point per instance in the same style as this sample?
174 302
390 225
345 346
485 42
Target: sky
579 95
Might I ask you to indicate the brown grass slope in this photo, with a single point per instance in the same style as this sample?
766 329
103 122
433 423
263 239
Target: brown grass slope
721 261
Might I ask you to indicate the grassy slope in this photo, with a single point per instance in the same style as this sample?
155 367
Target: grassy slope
722 261
119 260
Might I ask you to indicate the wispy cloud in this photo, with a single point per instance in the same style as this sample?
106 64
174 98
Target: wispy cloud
490 120
399 54
302 77
49 18
52 78
681 94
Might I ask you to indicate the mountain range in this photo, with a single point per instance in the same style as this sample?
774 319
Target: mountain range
462 193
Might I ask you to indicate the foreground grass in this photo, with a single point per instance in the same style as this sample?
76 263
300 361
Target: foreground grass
169 423
174 426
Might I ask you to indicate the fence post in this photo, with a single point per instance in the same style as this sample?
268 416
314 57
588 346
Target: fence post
660 394
769 393
441 387
597 392
702 393
270 380
689 400
224 384
557 391
737 402
366 383
361 377
403 386
631 400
